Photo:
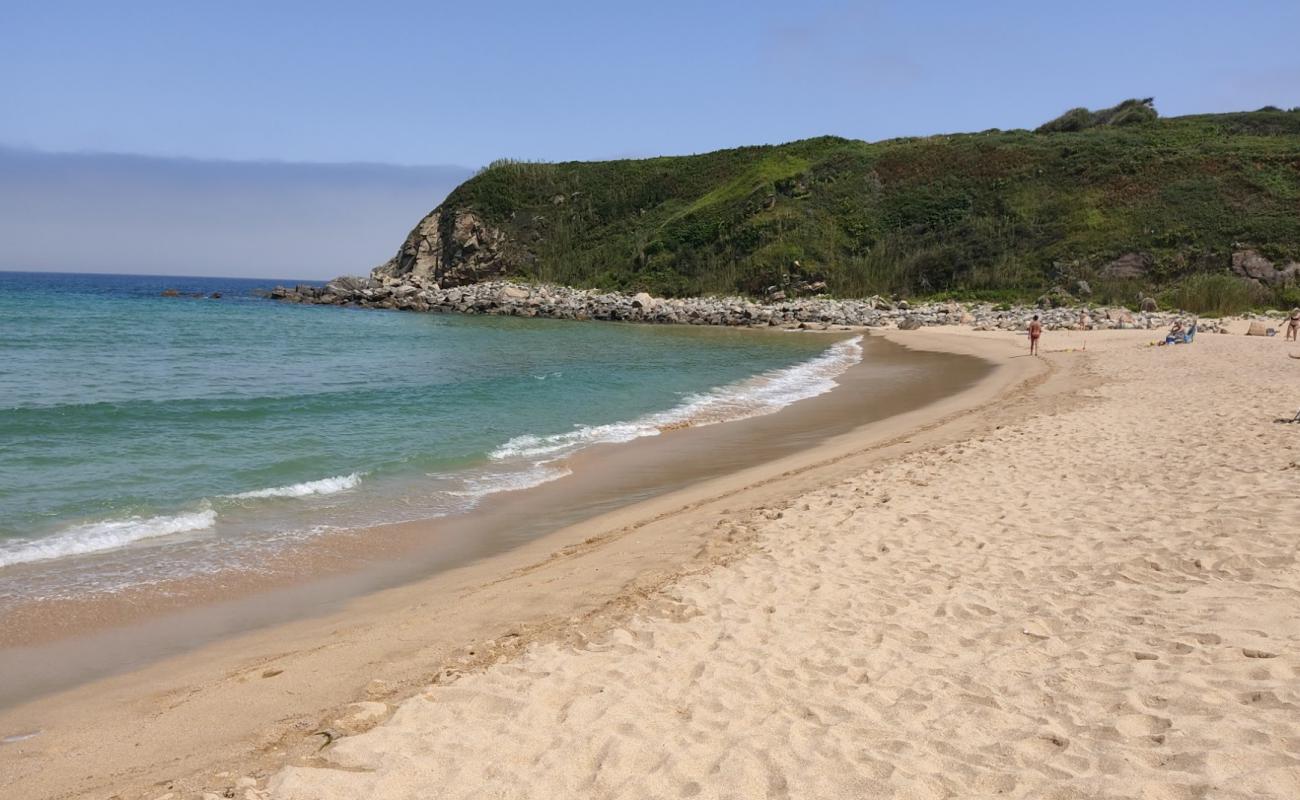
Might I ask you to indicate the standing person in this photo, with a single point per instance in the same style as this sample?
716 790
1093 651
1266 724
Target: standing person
1035 330
1293 325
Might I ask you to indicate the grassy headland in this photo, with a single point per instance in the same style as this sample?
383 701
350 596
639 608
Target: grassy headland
998 215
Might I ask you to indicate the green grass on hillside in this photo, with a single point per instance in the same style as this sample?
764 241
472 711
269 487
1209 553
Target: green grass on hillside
999 213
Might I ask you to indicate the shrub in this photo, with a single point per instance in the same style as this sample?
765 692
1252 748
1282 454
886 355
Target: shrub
1129 112
1215 295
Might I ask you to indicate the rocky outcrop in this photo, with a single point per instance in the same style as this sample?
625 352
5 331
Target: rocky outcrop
1251 265
451 248
1127 266
558 302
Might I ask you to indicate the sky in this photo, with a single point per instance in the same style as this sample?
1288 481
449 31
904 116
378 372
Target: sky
460 84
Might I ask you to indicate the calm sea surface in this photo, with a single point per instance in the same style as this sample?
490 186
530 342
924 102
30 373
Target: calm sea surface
145 437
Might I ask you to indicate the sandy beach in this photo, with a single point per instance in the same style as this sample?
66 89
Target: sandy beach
1097 598
1074 579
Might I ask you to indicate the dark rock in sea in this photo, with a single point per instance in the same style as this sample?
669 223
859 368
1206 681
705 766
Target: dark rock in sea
215 295
170 293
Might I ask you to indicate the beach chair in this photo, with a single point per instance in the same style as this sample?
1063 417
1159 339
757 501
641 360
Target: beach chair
1186 338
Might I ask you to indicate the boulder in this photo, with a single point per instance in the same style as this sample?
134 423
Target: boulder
1251 265
514 293
1258 329
1129 265
1149 305
347 285
909 323
1056 297
170 293
643 300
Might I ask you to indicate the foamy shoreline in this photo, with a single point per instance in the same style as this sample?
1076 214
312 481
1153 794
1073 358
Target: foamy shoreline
523 462
1124 629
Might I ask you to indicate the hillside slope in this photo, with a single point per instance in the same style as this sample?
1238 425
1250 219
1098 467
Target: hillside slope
1103 196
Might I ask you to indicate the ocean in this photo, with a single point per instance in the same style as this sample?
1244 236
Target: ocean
145 438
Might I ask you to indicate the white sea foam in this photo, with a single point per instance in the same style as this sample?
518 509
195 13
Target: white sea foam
479 486
339 483
94 537
761 394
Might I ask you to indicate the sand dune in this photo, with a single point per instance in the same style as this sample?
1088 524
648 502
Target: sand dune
1097 597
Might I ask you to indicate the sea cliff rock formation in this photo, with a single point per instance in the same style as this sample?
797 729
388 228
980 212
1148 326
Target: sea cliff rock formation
451 247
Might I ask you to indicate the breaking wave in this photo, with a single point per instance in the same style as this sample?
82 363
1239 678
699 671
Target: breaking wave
752 397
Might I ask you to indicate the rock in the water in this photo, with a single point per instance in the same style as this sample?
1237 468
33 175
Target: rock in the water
170 293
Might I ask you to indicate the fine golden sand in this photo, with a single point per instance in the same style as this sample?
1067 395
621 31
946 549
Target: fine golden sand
1095 595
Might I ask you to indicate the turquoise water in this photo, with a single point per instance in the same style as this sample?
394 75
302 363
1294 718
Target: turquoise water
144 437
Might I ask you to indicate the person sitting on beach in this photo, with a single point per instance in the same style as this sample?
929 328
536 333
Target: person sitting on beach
1176 333
1293 325
1035 330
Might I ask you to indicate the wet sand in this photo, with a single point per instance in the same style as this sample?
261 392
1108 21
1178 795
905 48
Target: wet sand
49 645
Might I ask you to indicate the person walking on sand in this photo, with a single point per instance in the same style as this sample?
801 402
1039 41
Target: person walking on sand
1293 325
1035 330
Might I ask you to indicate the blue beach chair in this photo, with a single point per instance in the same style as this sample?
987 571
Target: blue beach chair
1186 338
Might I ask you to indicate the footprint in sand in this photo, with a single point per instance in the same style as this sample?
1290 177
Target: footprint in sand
1142 724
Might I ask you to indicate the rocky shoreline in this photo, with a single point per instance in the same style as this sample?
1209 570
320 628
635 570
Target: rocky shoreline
505 298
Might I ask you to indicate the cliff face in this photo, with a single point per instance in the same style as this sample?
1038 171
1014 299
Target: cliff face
1005 214
451 248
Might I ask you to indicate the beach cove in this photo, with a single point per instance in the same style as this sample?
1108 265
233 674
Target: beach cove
879 556
133 627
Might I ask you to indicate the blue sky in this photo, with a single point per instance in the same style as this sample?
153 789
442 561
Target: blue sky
463 83
208 96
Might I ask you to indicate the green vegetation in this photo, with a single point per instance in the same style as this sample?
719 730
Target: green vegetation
999 215
1216 295
1129 112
